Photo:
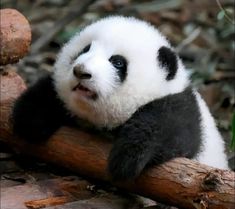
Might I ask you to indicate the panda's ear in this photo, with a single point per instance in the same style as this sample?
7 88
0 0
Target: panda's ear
168 61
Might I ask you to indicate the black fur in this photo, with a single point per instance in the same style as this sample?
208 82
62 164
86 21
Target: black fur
161 130
38 113
84 50
120 63
168 60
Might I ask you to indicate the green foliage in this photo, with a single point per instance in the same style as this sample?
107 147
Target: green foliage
232 145
221 15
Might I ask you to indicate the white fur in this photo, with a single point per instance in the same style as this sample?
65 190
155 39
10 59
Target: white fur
212 148
138 42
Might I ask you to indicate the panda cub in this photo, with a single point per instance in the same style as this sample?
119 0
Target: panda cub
121 74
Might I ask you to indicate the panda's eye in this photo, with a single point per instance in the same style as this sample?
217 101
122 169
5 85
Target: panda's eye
85 49
118 61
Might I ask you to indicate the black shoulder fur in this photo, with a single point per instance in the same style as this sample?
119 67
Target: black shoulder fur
38 113
157 132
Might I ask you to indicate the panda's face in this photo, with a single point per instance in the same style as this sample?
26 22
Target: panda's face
96 74
114 66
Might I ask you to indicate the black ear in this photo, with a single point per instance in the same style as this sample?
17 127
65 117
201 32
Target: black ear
168 60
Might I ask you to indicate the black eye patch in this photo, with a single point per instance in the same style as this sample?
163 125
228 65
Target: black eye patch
120 63
84 50
168 60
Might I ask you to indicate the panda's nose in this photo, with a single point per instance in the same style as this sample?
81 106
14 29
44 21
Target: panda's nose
79 72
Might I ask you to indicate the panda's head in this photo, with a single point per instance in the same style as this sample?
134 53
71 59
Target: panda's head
113 67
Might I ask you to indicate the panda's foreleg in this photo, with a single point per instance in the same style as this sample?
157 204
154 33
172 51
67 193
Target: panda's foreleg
159 131
140 145
38 113
131 152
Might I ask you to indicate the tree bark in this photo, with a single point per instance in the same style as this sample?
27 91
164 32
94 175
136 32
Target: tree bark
180 182
15 36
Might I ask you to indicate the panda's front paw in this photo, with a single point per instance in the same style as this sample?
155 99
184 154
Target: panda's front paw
127 162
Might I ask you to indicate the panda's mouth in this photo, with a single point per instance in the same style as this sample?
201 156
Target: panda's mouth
84 91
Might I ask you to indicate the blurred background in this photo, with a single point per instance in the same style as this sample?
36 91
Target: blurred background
202 32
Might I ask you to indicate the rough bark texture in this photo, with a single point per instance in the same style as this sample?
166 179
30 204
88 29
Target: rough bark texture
180 182
15 36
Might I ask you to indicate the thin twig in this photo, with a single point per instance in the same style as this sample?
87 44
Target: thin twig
188 40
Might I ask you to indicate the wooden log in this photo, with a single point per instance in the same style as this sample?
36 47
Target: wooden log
15 36
180 182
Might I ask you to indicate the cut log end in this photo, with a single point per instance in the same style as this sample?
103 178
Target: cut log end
15 36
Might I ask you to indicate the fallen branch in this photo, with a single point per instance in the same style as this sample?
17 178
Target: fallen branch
180 182
60 24
15 36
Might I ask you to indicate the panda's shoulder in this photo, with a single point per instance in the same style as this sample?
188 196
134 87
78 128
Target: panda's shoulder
181 107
